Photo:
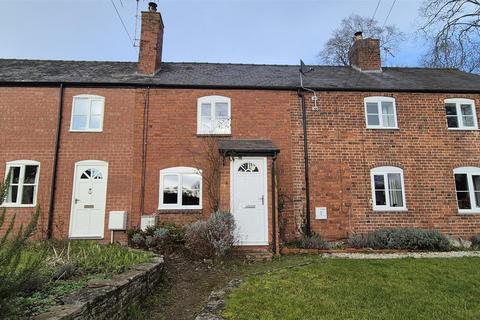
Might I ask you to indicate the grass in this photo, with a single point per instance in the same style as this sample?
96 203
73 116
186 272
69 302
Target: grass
298 287
90 260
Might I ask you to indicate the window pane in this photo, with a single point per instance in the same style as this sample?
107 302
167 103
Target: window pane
396 198
477 199
81 107
191 190
379 182
372 108
30 174
452 121
466 109
387 107
12 194
27 194
95 122
461 182
476 183
79 122
389 120
97 107
170 189
373 120
468 121
451 109
463 199
14 174
206 110
395 181
380 198
206 124
221 110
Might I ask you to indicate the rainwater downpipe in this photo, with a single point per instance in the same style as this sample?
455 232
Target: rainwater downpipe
53 183
301 94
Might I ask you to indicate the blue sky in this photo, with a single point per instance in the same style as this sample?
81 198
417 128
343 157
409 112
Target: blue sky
237 31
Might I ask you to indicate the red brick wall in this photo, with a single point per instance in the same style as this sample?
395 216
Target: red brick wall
173 141
342 152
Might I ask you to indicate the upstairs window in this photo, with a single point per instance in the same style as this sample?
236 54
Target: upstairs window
180 188
388 189
87 113
467 187
22 191
380 113
461 114
214 113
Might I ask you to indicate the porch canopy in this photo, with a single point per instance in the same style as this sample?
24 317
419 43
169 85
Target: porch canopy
232 148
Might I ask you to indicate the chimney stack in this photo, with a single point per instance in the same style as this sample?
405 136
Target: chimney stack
364 55
151 41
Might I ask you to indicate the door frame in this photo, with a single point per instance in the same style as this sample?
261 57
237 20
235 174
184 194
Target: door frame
74 187
232 196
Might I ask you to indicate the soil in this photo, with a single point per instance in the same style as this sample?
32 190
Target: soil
186 287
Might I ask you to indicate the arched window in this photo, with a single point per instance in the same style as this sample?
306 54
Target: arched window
87 113
248 167
380 113
24 176
180 188
388 189
214 115
461 114
467 187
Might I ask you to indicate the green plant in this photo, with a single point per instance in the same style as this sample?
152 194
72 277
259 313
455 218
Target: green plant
476 241
212 238
314 241
163 238
402 238
20 270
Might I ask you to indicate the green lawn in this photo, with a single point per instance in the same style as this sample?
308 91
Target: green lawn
298 287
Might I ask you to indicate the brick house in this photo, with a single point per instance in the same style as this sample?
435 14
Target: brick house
351 149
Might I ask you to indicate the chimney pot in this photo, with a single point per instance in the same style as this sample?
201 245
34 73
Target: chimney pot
152 7
358 35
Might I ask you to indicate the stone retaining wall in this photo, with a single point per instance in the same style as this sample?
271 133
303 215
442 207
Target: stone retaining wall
109 298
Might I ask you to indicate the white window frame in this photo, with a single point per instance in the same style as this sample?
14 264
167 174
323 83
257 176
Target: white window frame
378 101
458 102
90 97
179 171
385 171
22 164
469 171
213 100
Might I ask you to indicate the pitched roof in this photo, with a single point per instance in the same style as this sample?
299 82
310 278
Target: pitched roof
225 75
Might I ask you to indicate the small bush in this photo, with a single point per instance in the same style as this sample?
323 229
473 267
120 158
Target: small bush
314 241
402 238
213 238
163 238
476 241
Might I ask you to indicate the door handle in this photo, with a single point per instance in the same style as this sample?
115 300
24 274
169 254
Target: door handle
263 199
76 200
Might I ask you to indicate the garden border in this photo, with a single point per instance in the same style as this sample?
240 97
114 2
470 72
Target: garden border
109 298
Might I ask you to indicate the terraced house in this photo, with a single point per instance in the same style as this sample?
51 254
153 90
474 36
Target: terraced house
346 150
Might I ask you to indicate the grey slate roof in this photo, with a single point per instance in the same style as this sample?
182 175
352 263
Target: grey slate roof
185 74
247 147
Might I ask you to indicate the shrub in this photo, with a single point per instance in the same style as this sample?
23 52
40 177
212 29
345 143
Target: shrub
402 238
163 238
314 241
213 238
476 241
20 270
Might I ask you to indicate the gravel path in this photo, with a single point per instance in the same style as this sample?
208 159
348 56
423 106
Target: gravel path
400 255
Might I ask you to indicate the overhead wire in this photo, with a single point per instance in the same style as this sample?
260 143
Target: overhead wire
123 23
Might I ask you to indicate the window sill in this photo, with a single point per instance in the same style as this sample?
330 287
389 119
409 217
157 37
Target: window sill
179 211
193 208
13 205
383 128
199 134
86 131
392 210
468 212
463 129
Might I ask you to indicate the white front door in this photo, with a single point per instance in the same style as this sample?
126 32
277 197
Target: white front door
88 201
249 200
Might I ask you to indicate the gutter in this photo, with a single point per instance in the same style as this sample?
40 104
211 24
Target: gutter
274 206
53 183
144 149
307 230
220 87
